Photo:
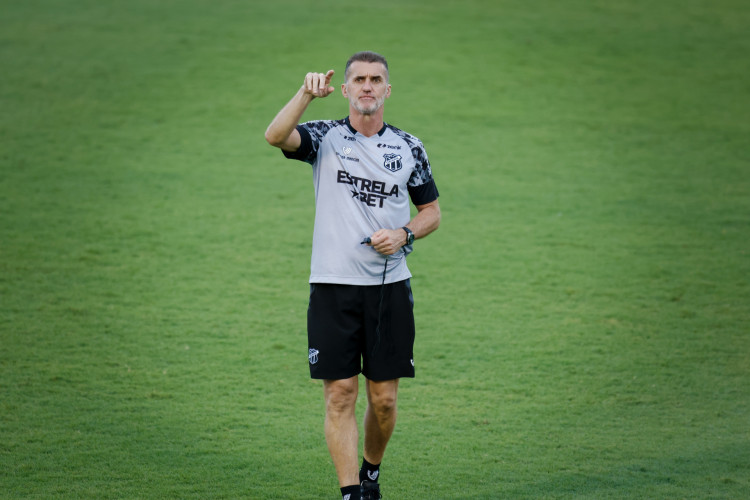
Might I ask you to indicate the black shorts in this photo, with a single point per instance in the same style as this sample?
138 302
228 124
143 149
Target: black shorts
349 331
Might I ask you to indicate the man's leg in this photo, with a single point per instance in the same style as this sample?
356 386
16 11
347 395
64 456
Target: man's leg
380 418
341 428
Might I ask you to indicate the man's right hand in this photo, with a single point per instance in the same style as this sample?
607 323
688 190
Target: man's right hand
282 132
318 84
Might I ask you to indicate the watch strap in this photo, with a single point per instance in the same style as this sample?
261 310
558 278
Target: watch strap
409 235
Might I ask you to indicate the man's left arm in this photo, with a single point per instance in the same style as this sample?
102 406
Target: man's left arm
389 241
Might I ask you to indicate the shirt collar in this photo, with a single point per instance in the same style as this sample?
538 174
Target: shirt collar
354 131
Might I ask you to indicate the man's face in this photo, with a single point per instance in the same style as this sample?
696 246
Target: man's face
366 86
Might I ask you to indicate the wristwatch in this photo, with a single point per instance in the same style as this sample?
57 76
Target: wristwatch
409 235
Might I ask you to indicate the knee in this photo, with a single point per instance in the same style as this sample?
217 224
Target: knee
384 404
340 397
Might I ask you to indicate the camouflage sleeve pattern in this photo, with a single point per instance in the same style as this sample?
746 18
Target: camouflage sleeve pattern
311 134
421 185
422 173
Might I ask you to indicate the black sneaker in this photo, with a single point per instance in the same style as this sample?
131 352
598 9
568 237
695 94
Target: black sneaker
370 490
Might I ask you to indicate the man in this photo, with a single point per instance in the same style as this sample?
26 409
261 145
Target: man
361 307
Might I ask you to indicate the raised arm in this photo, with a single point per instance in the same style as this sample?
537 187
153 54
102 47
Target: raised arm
282 132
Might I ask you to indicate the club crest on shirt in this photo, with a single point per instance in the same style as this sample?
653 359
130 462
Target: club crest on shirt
392 162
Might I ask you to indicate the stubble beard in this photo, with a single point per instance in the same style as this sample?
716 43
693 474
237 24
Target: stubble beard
372 109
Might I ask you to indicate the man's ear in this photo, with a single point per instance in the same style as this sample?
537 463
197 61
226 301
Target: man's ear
388 92
343 90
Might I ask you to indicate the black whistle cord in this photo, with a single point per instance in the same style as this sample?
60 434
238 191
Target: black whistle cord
380 308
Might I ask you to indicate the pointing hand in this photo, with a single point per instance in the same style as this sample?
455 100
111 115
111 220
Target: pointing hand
318 84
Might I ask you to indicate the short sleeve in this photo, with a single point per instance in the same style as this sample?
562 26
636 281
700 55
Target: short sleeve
311 135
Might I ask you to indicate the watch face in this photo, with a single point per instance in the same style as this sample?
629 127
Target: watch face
409 237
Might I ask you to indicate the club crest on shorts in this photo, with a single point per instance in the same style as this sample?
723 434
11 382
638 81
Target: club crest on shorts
312 355
392 162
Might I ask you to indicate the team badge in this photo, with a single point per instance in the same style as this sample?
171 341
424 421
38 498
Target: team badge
392 162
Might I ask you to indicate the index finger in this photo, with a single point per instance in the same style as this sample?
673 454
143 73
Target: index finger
323 83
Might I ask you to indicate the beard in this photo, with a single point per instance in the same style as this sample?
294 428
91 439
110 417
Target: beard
368 110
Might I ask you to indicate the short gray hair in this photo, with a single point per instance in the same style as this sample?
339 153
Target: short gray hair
368 57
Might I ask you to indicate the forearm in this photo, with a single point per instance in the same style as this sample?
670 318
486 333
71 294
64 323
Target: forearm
389 241
282 132
426 221
283 125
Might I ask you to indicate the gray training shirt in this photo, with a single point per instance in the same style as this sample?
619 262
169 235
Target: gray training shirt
361 185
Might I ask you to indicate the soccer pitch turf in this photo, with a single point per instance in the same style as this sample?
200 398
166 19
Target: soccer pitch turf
582 312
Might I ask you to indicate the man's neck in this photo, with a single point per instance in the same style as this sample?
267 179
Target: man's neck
367 125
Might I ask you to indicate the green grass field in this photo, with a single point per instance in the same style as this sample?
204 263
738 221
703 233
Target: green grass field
582 312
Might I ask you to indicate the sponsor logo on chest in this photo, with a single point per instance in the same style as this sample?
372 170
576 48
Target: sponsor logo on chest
368 191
